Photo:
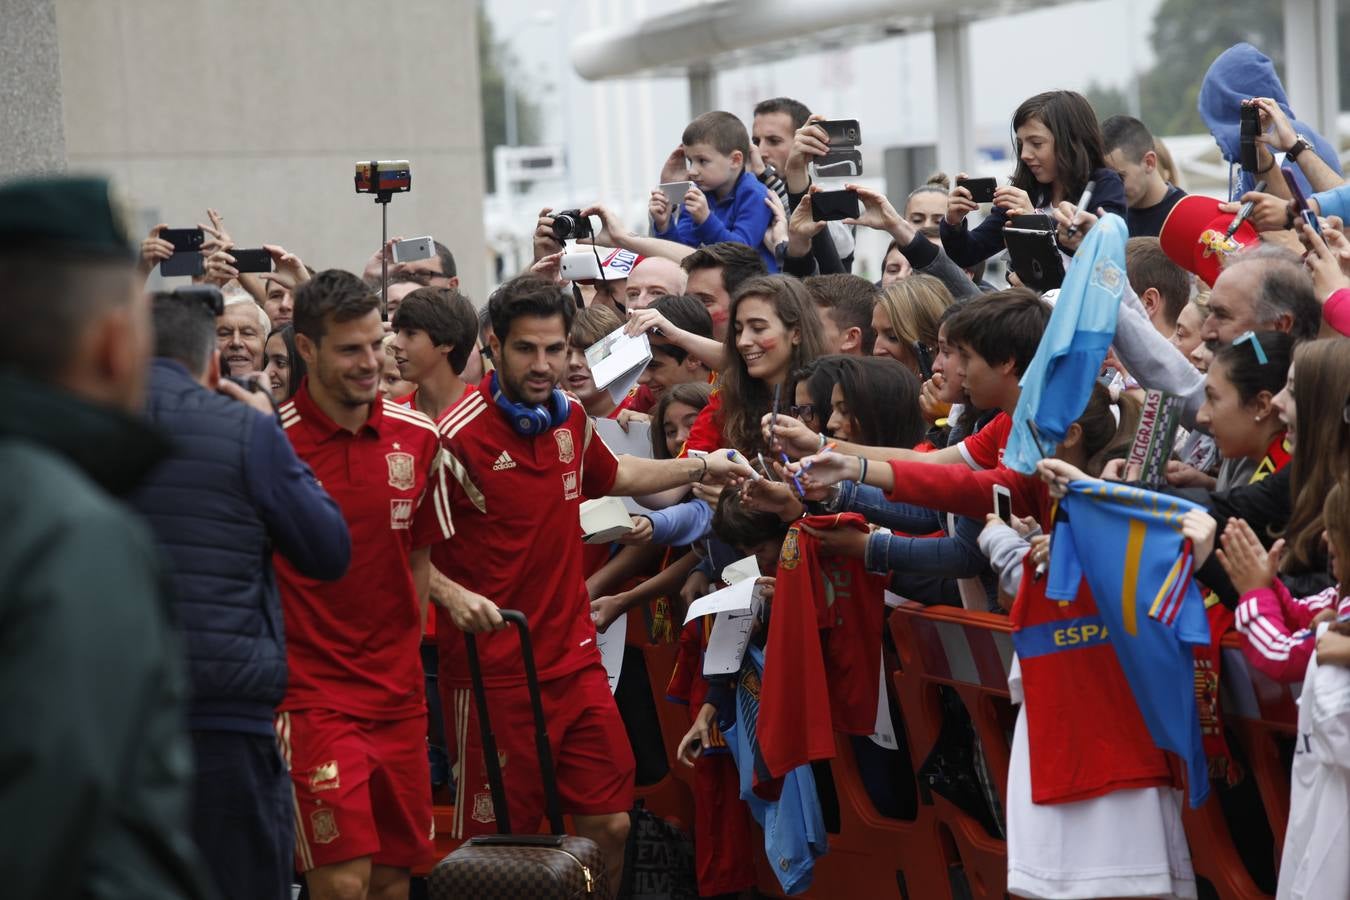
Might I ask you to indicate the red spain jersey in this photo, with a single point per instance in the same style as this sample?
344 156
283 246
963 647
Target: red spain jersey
515 502
351 644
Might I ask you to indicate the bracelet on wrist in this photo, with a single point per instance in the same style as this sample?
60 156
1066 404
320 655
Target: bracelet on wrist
862 467
704 474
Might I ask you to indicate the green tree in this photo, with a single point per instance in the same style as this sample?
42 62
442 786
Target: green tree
493 59
1187 37
1107 101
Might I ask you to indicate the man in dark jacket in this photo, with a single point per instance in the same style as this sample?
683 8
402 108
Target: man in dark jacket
230 492
94 759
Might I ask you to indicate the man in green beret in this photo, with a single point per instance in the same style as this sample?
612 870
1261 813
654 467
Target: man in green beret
94 758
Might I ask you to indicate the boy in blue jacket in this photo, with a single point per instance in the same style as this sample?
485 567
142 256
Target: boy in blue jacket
726 203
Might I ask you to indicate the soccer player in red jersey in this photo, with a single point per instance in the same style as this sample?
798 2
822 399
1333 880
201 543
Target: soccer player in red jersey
517 462
353 723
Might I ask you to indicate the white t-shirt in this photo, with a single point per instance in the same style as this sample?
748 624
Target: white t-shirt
1316 859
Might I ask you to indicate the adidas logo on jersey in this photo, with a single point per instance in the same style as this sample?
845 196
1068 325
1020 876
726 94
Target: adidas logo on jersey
503 462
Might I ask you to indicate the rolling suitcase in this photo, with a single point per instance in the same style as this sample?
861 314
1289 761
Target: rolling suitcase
510 866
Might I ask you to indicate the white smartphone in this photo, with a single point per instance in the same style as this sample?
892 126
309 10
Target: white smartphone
580 267
1003 504
675 191
413 249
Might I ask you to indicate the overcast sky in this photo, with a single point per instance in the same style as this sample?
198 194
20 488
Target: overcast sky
618 132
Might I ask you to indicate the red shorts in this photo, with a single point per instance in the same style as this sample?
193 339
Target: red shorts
362 788
591 754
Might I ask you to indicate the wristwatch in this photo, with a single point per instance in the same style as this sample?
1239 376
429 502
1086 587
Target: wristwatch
1300 144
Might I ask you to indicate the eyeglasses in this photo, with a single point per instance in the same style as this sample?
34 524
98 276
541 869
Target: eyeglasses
802 411
203 293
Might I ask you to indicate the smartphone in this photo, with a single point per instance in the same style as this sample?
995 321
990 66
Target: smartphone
1250 127
841 132
828 206
1311 218
1295 191
675 191
384 176
258 260
413 249
184 240
1003 504
981 189
188 262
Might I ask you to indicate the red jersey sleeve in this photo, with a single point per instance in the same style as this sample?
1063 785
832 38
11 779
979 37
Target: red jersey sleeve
966 492
599 465
984 448
706 433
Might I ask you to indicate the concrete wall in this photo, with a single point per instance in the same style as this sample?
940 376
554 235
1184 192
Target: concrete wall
31 139
259 108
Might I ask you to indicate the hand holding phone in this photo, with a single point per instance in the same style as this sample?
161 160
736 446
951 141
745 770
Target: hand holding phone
829 206
981 189
187 257
1003 504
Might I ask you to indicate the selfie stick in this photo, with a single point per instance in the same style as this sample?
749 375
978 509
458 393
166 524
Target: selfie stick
383 198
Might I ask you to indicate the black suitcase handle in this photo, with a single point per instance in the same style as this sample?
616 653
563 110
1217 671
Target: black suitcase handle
552 804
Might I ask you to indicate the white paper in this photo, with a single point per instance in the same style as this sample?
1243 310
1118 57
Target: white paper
604 519
727 642
883 733
616 361
737 598
740 570
611 643
636 441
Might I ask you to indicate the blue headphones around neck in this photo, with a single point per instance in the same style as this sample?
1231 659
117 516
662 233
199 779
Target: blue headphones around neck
529 419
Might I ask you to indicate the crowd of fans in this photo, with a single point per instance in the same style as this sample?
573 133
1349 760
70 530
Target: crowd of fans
341 469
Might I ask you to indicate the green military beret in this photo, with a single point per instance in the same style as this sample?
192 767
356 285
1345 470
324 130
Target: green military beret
78 215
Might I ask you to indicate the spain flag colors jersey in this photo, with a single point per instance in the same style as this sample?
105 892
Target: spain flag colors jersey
1127 544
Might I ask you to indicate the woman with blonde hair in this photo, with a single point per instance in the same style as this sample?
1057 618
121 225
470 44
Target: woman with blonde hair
906 322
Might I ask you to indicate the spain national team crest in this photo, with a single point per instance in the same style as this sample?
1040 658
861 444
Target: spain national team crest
566 451
324 826
482 808
401 473
791 554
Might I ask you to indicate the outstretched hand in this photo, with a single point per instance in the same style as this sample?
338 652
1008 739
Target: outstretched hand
1245 560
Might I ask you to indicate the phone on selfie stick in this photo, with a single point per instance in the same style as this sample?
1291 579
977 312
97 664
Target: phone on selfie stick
384 178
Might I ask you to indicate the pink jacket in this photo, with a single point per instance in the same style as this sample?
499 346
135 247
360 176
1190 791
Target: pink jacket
1279 641
1336 311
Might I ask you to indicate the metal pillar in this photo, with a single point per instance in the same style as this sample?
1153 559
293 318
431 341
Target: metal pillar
955 103
701 90
1311 78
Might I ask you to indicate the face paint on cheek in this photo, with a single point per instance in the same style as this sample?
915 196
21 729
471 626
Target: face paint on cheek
768 344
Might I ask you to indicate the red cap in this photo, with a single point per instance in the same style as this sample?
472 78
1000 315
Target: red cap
1193 236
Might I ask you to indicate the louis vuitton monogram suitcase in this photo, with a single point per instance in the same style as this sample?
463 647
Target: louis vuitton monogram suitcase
507 866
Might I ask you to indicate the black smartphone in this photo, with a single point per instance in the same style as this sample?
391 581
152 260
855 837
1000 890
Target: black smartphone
829 206
251 260
184 240
981 189
190 262
1250 119
842 132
